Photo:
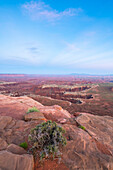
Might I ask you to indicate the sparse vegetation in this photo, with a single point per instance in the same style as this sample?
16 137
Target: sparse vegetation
33 109
46 140
24 145
82 127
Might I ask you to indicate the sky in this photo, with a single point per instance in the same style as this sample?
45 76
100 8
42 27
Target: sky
56 36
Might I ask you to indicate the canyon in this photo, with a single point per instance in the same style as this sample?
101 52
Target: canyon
72 102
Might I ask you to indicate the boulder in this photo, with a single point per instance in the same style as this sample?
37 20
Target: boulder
34 116
14 131
16 149
78 113
10 161
3 144
4 121
55 113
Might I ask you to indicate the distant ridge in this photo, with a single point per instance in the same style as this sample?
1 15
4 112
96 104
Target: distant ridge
86 74
81 74
50 75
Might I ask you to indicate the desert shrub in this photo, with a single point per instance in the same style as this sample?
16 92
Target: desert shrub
24 145
46 140
33 109
82 127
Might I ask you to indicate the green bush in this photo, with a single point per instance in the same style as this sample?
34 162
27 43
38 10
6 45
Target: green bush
46 140
33 109
82 127
24 145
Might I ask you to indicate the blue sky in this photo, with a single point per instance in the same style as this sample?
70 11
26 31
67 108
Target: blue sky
56 36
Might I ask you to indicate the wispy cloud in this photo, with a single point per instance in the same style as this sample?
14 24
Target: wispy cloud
39 10
33 49
32 53
85 52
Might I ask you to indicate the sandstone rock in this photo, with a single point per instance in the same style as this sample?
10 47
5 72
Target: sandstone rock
34 116
3 144
4 121
78 113
100 127
16 149
16 107
55 112
10 161
89 149
62 121
81 152
16 131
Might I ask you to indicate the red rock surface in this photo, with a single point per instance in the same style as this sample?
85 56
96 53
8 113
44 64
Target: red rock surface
55 113
90 148
17 107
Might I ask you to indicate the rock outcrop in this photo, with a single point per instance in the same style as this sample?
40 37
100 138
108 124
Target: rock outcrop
34 116
16 107
12 133
89 137
92 148
16 131
16 149
3 144
55 113
10 161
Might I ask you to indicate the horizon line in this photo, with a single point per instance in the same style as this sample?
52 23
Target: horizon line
70 74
